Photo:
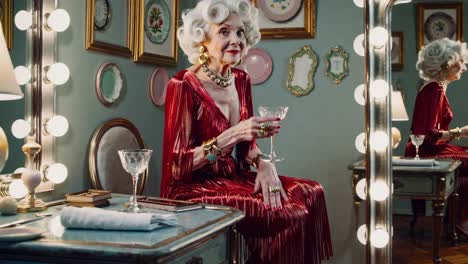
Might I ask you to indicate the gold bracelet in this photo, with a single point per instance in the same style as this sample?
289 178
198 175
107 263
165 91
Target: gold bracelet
207 150
455 133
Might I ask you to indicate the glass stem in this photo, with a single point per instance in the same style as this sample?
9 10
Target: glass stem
272 148
417 152
135 181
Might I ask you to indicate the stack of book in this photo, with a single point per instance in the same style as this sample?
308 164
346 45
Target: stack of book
89 198
168 204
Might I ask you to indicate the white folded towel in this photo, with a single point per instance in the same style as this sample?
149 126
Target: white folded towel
96 218
414 162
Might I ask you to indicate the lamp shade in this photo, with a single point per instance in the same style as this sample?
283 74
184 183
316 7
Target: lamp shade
9 88
398 107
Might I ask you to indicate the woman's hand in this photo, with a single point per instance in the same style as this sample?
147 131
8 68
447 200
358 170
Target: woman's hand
272 189
464 131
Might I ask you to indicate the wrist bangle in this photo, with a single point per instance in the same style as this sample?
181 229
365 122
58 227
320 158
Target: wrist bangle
208 147
455 133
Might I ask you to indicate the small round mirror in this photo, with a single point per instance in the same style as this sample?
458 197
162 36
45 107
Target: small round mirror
108 83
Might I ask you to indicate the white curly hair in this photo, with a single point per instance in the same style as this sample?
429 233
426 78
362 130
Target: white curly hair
196 23
437 56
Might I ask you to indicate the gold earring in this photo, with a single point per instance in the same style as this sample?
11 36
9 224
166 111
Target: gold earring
203 57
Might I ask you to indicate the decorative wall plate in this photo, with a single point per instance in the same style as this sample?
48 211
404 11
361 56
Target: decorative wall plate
439 25
102 14
105 168
157 21
258 64
158 86
279 10
302 67
337 64
109 83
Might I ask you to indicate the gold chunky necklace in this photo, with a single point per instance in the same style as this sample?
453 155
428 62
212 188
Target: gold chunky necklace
219 80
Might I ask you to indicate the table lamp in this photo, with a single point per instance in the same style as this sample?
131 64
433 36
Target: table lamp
398 114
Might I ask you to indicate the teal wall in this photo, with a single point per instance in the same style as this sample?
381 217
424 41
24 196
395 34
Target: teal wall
317 136
405 19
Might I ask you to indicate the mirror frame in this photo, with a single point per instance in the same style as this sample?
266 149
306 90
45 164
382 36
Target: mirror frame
295 89
341 53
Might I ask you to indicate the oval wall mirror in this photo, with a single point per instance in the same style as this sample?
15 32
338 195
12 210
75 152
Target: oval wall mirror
109 83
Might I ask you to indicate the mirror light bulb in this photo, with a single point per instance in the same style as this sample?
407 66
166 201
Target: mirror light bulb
56 173
17 189
361 189
359 94
58 20
20 128
378 36
359 3
362 234
23 20
58 73
22 74
57 126
379 88
379 191
379 140
360 143
379 238
358 45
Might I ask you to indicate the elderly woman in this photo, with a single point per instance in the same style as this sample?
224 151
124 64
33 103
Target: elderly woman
440 63
209 114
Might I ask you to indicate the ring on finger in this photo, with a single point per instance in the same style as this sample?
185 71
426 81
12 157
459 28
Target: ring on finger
274 189
262 132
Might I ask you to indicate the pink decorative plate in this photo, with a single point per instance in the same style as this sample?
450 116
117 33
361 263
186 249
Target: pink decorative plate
257 63
158 86
279 10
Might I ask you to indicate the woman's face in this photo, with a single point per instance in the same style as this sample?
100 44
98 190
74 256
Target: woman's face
455 71
226 41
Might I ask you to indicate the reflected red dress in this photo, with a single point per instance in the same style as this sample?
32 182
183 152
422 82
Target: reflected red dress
299 233
432 114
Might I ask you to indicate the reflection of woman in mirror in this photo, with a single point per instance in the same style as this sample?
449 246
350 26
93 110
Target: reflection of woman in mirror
440 63
209 113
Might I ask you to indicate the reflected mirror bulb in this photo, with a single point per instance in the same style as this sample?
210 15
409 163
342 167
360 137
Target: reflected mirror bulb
379 191
359 95
361 189
57 126
379 238
359 3
379 88
20 128
379 141
358 45
23 75
58 20
378 36
360 143
56 173
17 189
23 20
362 234
58 73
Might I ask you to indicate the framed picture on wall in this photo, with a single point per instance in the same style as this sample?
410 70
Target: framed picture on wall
439 20
6 19
397 51
155 32
286 19
109 26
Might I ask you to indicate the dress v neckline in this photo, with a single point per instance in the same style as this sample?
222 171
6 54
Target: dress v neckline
200 89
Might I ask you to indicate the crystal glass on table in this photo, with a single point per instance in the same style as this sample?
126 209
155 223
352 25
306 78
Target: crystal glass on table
135 162
277 111
417 140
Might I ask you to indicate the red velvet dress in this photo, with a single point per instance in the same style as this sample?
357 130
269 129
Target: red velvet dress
432 114
299 233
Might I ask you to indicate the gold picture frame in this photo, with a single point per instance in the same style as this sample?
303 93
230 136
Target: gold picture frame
6 19
92 44
159 48
396 53
288 29
448 17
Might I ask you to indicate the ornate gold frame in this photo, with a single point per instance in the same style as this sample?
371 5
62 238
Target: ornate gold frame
295 89
7 22
424 6
95 141
399 66
140 55
308 31
92 44
337 52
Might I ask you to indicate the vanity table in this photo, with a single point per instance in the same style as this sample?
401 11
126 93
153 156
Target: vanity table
434 183
201 236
